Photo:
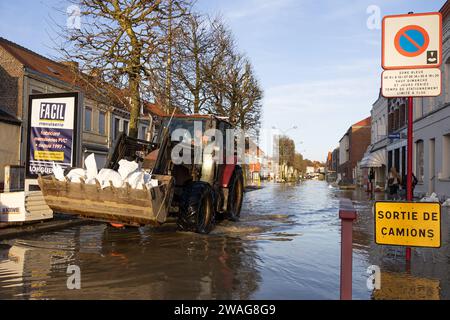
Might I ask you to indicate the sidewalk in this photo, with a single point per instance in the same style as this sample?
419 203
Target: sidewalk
39 227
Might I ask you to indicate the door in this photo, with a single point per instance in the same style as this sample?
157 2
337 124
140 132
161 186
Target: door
403 170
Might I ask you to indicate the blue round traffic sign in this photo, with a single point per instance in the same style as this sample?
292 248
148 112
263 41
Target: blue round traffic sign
412 41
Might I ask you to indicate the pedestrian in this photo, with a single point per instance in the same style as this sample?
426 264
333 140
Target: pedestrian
371 179
405 183
394 183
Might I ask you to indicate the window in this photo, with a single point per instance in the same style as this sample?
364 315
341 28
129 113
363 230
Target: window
390 160
87 119
446 82
125 126
397 160
446 157
143 132
102 122
116 128
419 161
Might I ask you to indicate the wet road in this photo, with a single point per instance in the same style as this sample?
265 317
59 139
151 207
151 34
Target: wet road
286 246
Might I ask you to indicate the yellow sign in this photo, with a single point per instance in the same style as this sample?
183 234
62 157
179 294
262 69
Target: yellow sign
412 224
49 155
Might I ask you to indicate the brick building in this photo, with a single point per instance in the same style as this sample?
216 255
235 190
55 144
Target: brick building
24 72
352 147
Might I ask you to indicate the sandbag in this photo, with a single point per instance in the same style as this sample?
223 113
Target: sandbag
75 175
58 172
127 167
91 166
136 180
107 175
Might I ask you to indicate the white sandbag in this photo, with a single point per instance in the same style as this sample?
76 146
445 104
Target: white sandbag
90 181
91 166
75 175
136 180
432 198
446 203
58 172
107 175
153 183
127 167
147 177
149 182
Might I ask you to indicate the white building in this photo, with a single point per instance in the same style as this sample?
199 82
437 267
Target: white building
432 130
310 170
375 157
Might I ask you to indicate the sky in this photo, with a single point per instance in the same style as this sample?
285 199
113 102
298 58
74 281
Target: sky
318 61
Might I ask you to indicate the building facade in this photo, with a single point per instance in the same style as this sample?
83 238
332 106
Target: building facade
431 152
352 147
376 156
23 73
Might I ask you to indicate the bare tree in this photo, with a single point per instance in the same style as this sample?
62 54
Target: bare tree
120 39
194 50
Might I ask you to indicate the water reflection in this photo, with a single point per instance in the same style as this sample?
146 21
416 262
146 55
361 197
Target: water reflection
130 264
286 246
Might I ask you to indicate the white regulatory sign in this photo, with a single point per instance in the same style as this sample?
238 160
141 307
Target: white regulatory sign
411 83
412 41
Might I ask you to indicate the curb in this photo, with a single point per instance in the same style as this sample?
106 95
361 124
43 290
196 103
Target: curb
41 227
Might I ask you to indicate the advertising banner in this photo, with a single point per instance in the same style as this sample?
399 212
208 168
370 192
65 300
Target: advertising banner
52 132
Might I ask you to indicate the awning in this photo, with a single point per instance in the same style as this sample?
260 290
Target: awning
375 159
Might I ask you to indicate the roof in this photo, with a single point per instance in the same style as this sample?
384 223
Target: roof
363 123
367 122
69 75
155 109
37 62
445 10
7 118
197 116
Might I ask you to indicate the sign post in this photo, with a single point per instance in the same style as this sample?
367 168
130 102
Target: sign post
409 179
411 56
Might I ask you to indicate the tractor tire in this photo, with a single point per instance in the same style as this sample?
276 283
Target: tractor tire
235 195
197 212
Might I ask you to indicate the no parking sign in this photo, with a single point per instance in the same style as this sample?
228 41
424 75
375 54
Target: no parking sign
412 41
412 55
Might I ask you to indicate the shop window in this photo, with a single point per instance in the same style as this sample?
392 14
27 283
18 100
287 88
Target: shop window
446 157
102 122
116 128
87 119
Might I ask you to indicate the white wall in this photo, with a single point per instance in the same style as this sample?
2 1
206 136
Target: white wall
433 122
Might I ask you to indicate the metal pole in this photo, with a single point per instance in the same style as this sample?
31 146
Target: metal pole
347 214
409 189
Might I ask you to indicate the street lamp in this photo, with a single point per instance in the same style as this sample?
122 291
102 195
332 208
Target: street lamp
285 131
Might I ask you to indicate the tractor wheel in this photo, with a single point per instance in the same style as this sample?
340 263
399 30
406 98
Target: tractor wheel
197 209
235 195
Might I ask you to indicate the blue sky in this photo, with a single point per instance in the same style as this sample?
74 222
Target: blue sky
318 62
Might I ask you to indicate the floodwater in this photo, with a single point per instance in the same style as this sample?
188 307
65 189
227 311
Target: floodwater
286 246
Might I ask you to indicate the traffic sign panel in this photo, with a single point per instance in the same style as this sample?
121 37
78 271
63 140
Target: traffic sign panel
411 83
412 41
415 224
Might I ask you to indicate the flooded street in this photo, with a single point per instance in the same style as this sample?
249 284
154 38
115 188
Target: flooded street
286 246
